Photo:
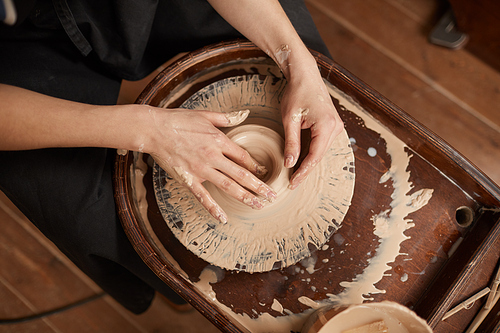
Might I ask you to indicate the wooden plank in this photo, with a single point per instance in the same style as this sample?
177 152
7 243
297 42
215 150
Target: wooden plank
11 306
35 279
107 316
472 137
28 327
456 73
162 318
425 12
39 276
7 206
95 316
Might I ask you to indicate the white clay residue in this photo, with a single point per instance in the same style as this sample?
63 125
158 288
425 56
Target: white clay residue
309 263
309 302
208 276
372 152
138 170
390 224
236 117
276 306
186 177
266 322
297 117
282 54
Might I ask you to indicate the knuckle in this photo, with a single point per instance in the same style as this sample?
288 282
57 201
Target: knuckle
199 196
209 153
243 156
241 174
291 145
225 184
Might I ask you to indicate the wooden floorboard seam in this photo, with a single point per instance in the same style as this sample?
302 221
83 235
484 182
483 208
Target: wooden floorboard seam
406 11
401 62
128 316
23 223
18 294
26 302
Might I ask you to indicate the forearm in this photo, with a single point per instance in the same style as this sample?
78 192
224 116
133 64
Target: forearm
32 121
265 23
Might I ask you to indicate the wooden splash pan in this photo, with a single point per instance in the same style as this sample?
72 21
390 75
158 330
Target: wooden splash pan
451 245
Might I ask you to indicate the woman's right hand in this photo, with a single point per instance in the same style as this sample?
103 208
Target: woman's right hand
188 145
185 143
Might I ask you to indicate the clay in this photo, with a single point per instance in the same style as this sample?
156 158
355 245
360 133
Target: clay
284 231
282 54
388 316
236 117
185 176
297 117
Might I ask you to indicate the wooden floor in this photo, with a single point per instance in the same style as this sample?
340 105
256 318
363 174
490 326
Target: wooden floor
384 43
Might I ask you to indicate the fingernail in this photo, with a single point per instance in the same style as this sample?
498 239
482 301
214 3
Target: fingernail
289 161
221 215
222 218
261 170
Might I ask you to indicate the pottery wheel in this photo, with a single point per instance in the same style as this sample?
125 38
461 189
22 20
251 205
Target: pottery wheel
285 231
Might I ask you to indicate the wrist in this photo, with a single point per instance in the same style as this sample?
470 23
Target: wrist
296 63
120 127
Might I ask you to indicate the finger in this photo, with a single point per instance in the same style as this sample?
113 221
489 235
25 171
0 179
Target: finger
292 140
233 189
206 200
227 119
244 159
246 179
321 141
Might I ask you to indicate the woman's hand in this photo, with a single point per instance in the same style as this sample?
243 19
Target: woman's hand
187 145
307 104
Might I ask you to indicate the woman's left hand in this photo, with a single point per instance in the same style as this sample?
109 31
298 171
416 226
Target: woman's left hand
306 104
